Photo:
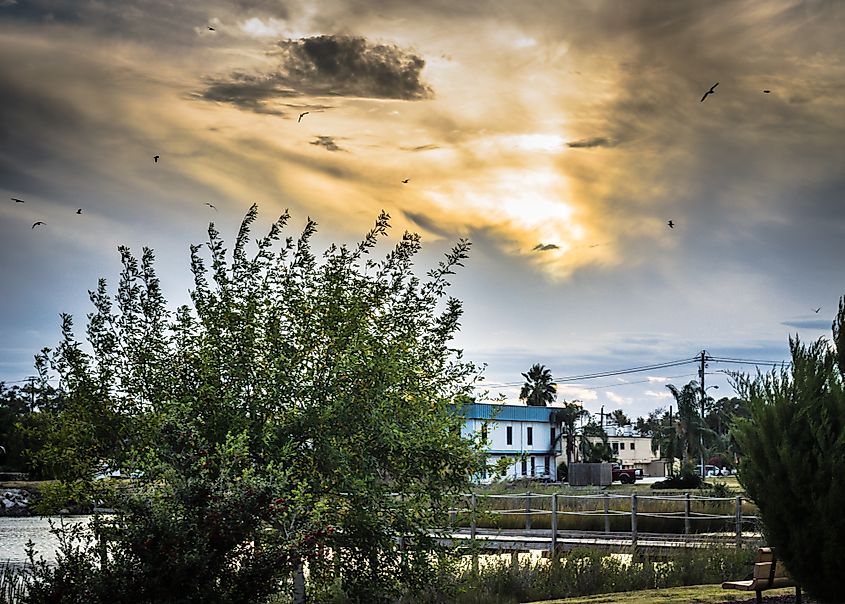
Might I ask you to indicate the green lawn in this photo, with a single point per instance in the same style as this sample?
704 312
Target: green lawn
696 594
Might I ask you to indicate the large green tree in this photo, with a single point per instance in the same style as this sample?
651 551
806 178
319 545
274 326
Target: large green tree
793 452
297 410
539 389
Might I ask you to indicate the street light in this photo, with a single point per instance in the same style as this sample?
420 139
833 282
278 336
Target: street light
701 431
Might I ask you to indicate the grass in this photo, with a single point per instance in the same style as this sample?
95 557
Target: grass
696 594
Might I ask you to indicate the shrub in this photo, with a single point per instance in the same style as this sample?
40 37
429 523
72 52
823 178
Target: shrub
793 452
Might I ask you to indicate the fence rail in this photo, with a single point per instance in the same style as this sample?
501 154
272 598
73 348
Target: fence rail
643 512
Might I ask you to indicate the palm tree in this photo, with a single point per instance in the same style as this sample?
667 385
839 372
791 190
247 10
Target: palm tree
539 389
683 435
566 417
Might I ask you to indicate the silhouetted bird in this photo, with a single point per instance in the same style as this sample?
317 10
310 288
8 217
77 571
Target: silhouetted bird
816 310
671 224
212 206
406 181
767 91
211 28
711 91
545 247
79 211
35 224
16 200
302 115
155 158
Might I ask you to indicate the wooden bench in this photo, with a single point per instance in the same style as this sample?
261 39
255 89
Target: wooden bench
769 573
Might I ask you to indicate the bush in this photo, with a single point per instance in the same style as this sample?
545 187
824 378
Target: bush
580 573
793 452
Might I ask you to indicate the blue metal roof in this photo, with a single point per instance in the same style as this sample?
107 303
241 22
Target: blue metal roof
505 413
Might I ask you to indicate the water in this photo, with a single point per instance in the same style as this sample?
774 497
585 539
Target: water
15 532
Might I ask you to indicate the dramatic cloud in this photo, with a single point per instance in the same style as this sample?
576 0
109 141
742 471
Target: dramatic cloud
589 143
326 66
326 142
249 92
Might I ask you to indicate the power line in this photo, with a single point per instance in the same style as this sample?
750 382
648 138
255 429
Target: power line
603 374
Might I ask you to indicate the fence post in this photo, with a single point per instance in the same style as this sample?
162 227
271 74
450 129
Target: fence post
528 511
606 513
472 531
554 527
299 584
686 515
634 520
738 521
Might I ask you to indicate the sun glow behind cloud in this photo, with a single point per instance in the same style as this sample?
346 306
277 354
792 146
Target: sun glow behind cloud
525 206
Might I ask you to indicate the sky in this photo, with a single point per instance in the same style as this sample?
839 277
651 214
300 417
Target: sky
558 137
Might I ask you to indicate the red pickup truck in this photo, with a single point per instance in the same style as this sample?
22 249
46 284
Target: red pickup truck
626 475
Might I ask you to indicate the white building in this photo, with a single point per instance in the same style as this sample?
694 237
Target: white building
523 435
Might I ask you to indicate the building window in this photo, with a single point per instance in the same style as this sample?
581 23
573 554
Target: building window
546 465
510 435
615 447
632 446
532 464
529 436
524 466
484 432
622 446
552 437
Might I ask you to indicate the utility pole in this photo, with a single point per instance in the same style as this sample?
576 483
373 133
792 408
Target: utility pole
701 432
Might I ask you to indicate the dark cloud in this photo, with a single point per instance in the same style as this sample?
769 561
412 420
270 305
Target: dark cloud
820 324
421 148
326 66
248 92
7 3
589 143
424 222
326 142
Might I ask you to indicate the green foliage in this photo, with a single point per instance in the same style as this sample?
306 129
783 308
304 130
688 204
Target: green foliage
320 386
595 452
686 478
567 417
580 573
539 389
793 452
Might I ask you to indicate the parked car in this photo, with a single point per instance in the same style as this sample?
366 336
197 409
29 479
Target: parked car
626 475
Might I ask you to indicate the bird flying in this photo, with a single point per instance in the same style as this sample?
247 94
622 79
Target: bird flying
711 91
406 181
671 224
79 211
766 91
16 200
211 28
816 310
155 158
545 247
212 206
35 224
302 115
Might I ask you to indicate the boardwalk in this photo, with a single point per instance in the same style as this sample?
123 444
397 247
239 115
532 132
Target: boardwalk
521 540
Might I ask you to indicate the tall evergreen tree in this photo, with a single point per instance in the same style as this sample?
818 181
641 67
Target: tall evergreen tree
539 389
793 452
